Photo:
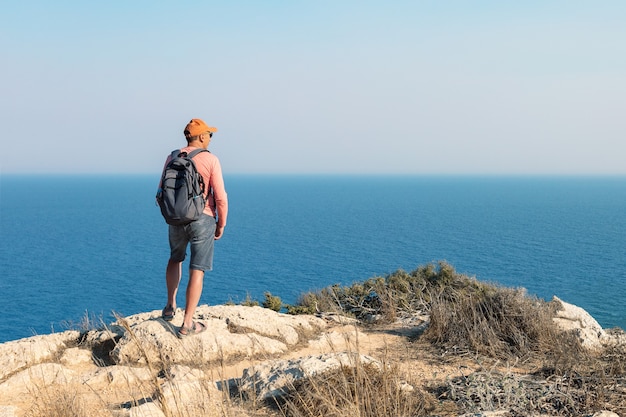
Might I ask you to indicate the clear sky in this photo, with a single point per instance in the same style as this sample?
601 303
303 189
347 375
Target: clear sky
398 87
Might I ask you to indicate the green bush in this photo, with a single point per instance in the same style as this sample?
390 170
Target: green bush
272 302
307 304
384 298
249 302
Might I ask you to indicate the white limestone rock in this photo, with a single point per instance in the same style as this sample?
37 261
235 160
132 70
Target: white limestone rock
76 357
574 318
117 376
36 377
155 341
148 409
23 353
266 322
8 411
272 379
232 332
190 390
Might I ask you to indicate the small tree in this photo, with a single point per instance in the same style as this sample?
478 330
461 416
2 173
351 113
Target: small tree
272 302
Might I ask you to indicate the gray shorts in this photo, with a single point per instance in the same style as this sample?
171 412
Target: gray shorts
200 234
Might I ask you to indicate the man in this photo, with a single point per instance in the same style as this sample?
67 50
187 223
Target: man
200 234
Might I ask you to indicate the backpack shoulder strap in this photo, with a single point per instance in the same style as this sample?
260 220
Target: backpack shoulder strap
196 152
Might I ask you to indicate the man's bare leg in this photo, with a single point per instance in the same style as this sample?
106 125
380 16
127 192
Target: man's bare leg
194 291
173 273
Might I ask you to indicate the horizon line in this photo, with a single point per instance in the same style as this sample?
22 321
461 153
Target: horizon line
334 174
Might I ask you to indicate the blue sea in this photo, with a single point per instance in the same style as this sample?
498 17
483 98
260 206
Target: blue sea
75 247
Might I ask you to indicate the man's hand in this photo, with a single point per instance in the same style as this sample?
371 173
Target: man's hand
219 231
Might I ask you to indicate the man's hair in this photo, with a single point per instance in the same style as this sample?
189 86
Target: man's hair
191 138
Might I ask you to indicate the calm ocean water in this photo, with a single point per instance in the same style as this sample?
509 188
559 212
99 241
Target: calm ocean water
76 246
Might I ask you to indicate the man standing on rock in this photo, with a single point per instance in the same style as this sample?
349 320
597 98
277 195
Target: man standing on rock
200 234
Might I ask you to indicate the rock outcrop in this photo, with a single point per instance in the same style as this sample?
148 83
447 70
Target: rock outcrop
138 367
233 332
18 355
573 318
269 380
131 354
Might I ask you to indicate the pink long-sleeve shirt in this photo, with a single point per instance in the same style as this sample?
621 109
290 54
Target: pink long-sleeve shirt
208 165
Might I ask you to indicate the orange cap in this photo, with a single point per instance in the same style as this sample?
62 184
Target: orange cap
197 127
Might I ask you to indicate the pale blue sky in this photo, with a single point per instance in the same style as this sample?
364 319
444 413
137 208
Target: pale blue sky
398 87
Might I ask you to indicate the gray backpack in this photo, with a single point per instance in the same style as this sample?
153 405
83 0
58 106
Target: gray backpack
181 195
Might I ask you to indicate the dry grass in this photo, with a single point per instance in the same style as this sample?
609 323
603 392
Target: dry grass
65 400
361 390
497 322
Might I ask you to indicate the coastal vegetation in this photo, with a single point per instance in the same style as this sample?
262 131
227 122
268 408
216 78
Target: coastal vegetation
486 347
466 315
524 362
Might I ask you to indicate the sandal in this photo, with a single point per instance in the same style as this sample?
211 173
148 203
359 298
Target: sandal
190 331
168 313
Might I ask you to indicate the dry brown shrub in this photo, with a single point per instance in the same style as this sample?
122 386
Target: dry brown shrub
507 324
497 322
65 400
363 390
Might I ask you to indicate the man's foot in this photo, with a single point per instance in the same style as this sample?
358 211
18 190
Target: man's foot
196 328
168 313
